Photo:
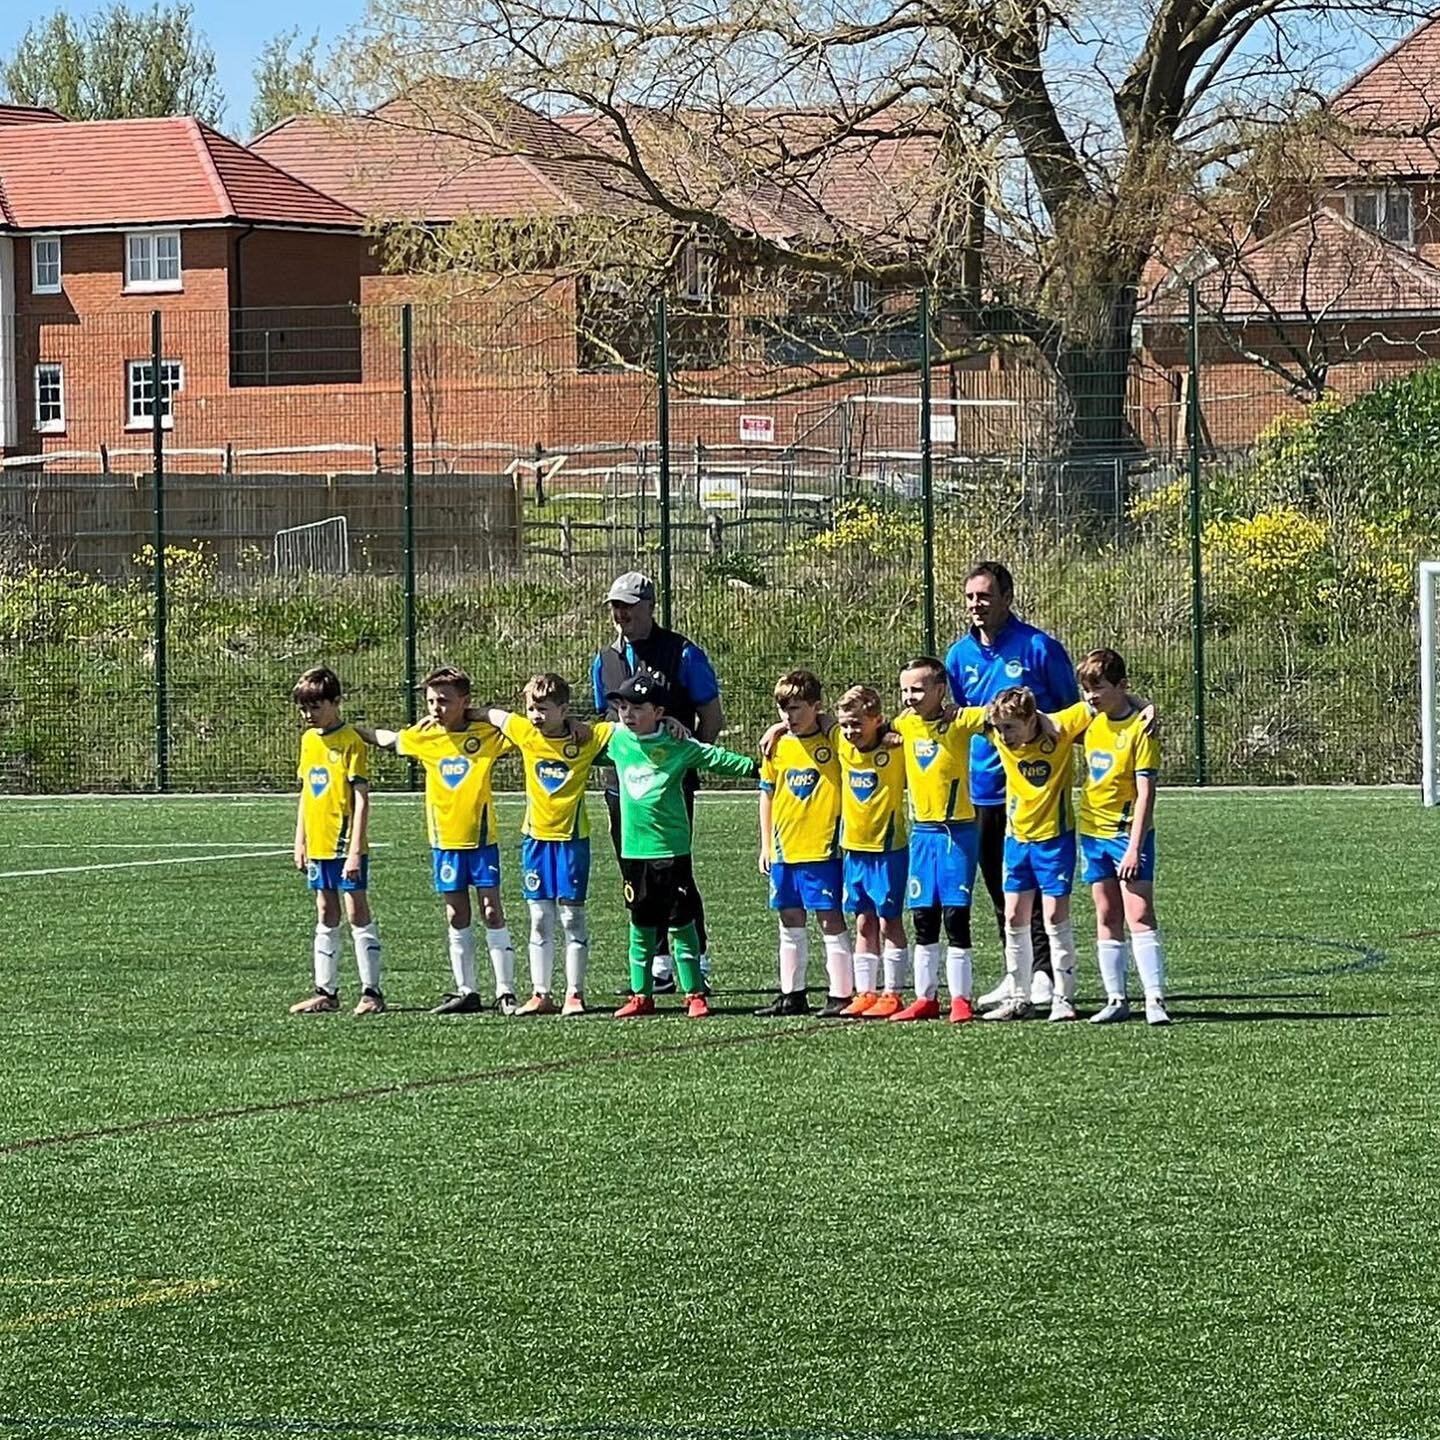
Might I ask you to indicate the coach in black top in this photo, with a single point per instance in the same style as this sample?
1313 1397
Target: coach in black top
640 645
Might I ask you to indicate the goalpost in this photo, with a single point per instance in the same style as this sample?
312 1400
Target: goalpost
320 548
1429 738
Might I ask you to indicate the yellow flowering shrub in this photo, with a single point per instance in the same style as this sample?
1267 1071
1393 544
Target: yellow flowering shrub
859 525
1279 560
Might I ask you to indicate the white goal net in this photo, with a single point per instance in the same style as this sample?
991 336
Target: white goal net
1429 680
320 548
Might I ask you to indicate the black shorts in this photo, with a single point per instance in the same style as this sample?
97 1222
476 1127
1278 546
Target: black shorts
660 894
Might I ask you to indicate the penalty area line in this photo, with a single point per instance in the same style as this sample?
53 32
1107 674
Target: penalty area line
402 1087
142 864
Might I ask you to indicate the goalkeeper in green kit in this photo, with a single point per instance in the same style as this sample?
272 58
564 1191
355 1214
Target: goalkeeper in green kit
655 838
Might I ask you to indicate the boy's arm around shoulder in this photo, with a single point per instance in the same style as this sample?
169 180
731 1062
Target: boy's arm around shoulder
377 736
717 760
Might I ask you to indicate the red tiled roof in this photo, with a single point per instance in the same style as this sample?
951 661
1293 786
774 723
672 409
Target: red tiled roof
1392 111
433 162
1322 267
148 172
28 115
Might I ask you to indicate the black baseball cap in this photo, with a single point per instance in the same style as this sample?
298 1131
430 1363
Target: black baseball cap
641 689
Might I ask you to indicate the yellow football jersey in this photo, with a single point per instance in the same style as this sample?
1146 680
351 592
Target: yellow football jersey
331 761
1038 778
459 805
937 763
1116 752
556 769
803 776
872 798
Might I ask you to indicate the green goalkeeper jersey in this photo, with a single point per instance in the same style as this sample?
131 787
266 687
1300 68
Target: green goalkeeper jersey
651 769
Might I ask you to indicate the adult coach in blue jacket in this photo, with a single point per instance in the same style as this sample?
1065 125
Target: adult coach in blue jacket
998 651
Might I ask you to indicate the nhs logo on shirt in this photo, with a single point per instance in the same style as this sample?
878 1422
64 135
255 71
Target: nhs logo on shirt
802 783
1102 762
453 769
925 753
319 779
863 784
1037 772
551 774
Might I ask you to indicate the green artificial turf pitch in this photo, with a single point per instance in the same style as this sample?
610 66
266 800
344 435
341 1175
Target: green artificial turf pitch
218 1220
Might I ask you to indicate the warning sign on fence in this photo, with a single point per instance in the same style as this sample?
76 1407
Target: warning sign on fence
757 429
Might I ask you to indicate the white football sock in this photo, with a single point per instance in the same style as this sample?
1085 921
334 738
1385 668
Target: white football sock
367 954
1019 959
1149 962
502 959
794 958
327 957
867 970
462 959
1111 957
894 969
1062 956
576 928
927 971
662 967
840 965
542 945
959 972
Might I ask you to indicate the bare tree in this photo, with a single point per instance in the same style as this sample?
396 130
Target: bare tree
1075 130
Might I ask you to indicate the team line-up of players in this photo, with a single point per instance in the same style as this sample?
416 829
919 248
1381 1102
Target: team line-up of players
861 816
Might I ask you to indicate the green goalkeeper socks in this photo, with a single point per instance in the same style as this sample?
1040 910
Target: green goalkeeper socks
685 946
643 943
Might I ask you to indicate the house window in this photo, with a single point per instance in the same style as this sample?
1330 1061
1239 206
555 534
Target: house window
141 392
45 265
862 297
152 260
697 273
1386 212
49 399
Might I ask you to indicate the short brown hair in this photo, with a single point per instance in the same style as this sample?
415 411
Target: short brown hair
1101 665
859 700
318 683
925 662
1016 703
798 685
547 686
447 675
999 573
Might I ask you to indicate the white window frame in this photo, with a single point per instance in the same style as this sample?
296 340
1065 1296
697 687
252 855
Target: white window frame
862 297
55 425
135 418
696 281
1384 196
144 262
38 243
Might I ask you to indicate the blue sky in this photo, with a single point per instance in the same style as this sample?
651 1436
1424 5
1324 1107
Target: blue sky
235 28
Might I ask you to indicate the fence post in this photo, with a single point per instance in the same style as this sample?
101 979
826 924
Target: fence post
1197 596
407 438
662 368
927 472
158 398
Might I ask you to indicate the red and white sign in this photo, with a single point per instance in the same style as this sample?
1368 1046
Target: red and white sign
757 429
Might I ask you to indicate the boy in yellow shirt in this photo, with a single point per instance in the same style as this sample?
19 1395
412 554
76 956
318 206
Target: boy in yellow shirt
555 836
459 753
800 846
944 843
873 845
331 843
1039 842
1117 836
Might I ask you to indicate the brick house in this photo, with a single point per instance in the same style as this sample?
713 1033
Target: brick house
103 223
1330 291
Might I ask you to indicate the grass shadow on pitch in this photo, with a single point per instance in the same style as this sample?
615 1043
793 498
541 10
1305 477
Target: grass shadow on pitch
1229 1017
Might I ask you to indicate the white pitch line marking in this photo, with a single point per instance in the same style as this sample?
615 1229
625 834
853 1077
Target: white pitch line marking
137 864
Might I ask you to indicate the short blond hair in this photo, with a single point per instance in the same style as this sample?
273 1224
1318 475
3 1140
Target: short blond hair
860 700
798 685
548 686
1016 703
